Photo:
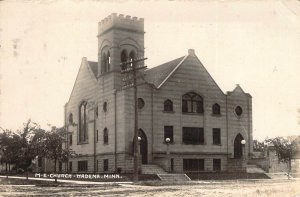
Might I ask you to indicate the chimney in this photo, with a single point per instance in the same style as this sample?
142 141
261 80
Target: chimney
191 52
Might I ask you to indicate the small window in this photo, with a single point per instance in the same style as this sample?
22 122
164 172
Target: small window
105 106
70 166
70 139
96 111
172 164
168 133
40 162
105 165
193 164
168 106
70 118
238 110
217 165
60 166
216 109
97 135
82 166
105 136
192 135
141 103
217 136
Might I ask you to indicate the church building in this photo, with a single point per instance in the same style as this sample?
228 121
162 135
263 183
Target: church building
186 123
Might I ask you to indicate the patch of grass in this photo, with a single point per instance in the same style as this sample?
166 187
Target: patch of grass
226 176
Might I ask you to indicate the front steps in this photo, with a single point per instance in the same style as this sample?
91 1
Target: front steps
252 168
152 169
173 177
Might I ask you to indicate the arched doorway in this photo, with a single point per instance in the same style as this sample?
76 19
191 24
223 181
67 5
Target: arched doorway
238 147
143 146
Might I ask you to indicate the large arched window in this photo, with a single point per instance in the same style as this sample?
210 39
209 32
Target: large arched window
168 105
192 103
105 136
82 122
124 57
216 109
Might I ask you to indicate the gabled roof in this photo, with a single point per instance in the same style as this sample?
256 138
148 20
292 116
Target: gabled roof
159 74
94 67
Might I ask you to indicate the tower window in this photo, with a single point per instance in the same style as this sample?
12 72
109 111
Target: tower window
105 136
192 103
168 105
105 106
104 61
132 57
82 122
107 64
124 57
216 109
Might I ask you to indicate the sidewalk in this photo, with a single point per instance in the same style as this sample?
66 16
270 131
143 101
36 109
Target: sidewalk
68 181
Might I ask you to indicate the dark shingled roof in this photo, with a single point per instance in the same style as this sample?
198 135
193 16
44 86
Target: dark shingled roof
159 73
94 67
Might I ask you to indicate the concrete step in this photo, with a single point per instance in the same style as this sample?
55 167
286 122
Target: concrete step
250 168
173 177
151 169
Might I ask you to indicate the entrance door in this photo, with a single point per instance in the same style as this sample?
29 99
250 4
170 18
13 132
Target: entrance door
143 146
238 147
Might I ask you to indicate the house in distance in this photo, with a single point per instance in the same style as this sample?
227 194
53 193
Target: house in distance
207 130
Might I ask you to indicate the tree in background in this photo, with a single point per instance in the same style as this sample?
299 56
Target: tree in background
22 146
54 149
286 149
258 146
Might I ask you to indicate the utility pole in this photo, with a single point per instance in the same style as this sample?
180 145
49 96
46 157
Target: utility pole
130 68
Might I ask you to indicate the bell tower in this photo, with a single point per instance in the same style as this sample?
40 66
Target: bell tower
120 38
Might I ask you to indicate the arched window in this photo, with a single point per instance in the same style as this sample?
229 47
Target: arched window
70 118
168 105
131 57
141 103
124 57
105 136
82 122
104 61
107 62
192 103
216 109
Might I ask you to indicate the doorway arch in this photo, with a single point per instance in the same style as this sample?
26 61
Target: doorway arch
143 146
238 147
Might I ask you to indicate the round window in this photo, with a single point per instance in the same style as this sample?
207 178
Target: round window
105 106
238 110
141 103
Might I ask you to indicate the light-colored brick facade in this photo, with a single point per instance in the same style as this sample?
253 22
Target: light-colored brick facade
96 85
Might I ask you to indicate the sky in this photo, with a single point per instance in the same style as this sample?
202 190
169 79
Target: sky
252 43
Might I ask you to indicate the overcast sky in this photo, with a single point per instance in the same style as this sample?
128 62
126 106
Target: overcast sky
252 43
